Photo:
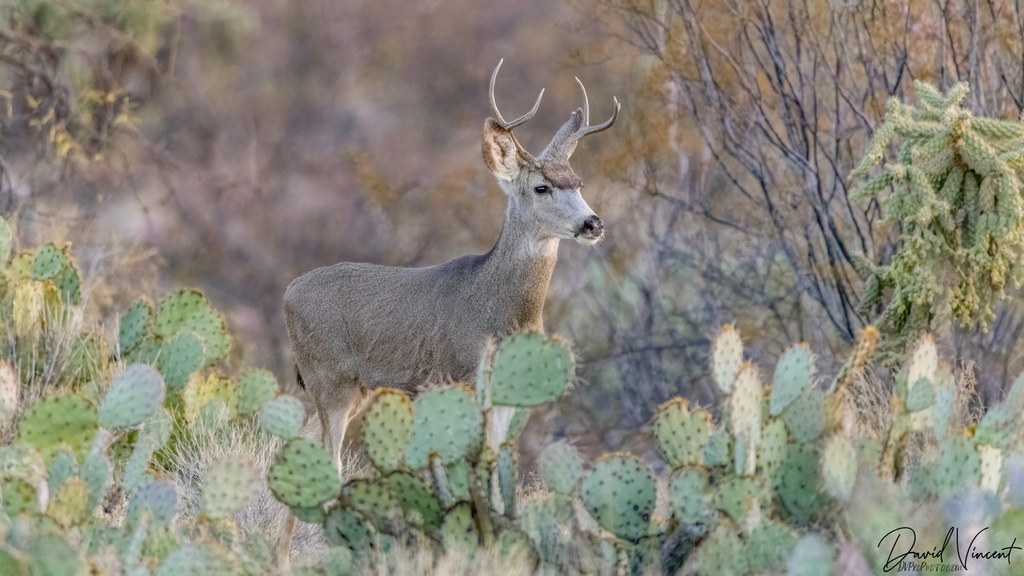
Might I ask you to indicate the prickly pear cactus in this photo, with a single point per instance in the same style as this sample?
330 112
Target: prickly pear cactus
229 484
421 506
283 416
136 323
726 357
446 422
10 391
620 493
681 434
386 427
255 388
189 311
61 421
181 356
134 396
49 261
793 374
302 475
560 466
529 370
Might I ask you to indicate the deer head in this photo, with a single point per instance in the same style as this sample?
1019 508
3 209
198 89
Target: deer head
543 191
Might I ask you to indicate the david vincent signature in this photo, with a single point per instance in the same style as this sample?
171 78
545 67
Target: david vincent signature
899 554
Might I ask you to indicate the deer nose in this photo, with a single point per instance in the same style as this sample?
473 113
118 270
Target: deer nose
593 225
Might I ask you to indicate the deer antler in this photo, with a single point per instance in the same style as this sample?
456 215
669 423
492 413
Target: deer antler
518 121
578 126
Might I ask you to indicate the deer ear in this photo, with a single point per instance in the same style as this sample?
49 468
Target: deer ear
501 153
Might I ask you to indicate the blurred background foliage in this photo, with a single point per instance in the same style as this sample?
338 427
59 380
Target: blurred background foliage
236 145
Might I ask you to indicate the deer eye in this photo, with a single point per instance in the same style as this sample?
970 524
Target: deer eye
541 189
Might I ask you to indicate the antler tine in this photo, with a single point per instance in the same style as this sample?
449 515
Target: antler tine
494 105
588 130
586 103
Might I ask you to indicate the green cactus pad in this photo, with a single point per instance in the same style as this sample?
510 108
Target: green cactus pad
717 450
513 544
19 497
52 555
508 474
812 556
314 515
645 555
458 479
446 422
135 324
192 560
771 451
944 411
921 395
726 358
21 461
688 493
133 396
958 467
620 494
805 416
999 427
798 484
839 467
347 527
736 495
61 421
386 427
519 421
283 416
255 388
160 499
96 473
302 474
745 403
768 547
421 507
180 357
338 561
378 502
147 351
49 261
229 484
63 466
681 434
138 463
69 284
924 362
530 370
68 504
458 530
560 466
189 310
793 373
722 554
158 426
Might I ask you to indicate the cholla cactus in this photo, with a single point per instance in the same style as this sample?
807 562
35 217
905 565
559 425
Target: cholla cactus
956 192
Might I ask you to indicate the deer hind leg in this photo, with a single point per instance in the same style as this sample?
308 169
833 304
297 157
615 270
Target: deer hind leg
336 412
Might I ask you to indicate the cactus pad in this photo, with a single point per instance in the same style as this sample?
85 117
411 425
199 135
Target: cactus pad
377 501
180 357
69 284
716 451
136 323
338 561
519 420
620 494
921 395
347 527
768 547
95 472
68 505
726 358
990 461
924 362
200 392
722 553
10 392
812 556
138 463
302 474
771 452
560 466
508 474
133 396
386 427
283 416
529 370
417 500
681 434
688 493
839 467
805 416
159 498
736 495
27 308
49 261
19 497
798 483
52 422
793 373
446 422
745 403
63 466
189 310
458 530
229 484
958 467
158 426
191 560
255 388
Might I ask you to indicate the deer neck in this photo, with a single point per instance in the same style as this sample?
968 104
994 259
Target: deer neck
519 268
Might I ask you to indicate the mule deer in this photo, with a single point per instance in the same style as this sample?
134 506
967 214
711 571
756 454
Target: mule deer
355 327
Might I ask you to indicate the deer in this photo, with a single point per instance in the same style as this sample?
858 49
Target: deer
355 327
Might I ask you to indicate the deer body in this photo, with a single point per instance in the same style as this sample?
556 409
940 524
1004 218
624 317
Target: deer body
356 327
